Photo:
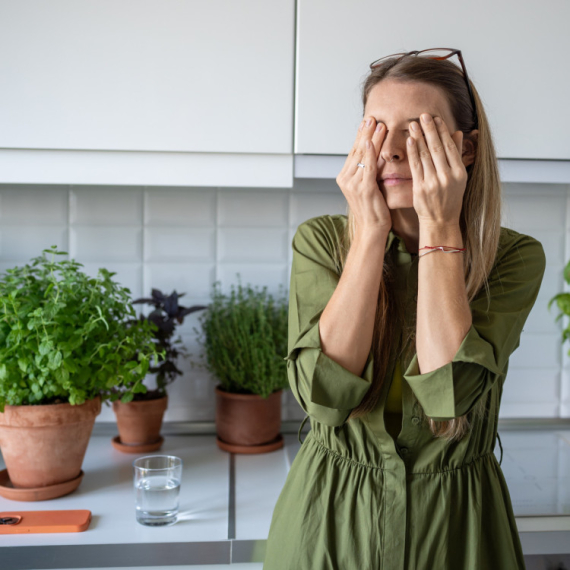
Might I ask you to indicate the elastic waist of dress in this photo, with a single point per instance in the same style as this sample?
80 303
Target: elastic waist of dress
321 445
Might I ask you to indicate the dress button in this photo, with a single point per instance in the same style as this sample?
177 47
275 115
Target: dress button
404 450
415 420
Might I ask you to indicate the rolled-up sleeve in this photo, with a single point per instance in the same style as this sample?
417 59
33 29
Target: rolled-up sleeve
498 319
324 389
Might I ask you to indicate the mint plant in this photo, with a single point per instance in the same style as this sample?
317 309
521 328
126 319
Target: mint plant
69 337
245 337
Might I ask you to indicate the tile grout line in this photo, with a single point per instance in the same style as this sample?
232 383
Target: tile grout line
232 501
143 246
217 234
564 289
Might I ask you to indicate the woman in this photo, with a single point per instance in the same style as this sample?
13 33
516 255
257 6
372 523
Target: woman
403 315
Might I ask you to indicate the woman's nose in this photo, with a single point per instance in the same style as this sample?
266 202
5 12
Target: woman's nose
393 148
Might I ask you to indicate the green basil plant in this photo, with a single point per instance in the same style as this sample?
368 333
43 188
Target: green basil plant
68 337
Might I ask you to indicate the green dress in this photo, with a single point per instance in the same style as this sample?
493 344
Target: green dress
357 498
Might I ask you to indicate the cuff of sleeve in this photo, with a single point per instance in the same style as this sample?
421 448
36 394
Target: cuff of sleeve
332 385
336 387
440 390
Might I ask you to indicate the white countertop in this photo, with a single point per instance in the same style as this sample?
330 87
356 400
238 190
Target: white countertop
226 502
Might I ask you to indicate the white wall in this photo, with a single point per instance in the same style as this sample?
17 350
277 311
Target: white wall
186 238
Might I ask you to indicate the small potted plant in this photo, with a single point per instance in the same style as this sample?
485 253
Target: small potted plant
245 337
140 413
64 347
563 303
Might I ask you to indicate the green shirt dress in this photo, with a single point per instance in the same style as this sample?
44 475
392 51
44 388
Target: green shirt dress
361 496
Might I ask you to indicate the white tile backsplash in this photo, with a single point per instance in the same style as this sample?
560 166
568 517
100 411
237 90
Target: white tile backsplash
102 243
247 245
194 279
259 208
184 239
308 205
180 244
30 204
192 207
257 275
106 205
22 242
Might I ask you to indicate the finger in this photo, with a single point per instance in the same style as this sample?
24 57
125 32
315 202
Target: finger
370 168
378 137
415 161
434 144
348 162
452 151
366 135
422 151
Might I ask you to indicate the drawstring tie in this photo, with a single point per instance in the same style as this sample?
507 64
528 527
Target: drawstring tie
302 424
501 446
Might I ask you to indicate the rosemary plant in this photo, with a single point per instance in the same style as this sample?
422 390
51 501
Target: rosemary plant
245 337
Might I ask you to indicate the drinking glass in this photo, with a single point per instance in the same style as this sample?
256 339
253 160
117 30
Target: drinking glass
157 487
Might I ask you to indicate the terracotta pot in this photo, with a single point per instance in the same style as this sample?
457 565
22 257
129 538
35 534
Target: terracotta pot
247 419
140 422
45 445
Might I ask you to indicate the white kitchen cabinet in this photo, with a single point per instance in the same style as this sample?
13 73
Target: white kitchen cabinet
516 54
175 76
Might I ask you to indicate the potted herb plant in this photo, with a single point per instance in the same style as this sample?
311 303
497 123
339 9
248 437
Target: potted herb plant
563 303
139 414
64 347
245 337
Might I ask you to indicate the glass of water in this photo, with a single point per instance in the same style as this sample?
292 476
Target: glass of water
157 486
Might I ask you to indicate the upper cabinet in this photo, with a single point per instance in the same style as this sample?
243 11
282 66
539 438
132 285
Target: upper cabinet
225 92
516 54
154 75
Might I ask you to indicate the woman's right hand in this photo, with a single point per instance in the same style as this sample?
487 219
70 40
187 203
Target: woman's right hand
359 185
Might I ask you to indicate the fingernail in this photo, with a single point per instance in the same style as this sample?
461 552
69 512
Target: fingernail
361 126
368 122
414 126
379 127
437 121
426 118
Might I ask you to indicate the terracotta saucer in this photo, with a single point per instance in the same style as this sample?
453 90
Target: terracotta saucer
137 447
36 493
272 445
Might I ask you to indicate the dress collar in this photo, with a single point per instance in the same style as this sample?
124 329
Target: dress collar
401 247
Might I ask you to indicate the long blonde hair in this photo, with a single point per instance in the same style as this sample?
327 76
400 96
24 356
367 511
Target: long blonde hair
480 225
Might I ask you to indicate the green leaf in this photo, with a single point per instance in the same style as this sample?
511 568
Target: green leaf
23 363
45 347
128 397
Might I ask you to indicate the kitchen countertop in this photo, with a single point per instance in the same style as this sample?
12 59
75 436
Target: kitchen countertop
227 500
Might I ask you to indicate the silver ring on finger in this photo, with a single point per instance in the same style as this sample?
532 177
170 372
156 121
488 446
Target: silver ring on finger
361 165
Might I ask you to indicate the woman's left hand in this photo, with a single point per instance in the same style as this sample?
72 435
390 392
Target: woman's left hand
438 173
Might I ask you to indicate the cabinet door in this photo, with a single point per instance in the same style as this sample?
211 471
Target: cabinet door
147 75
516 53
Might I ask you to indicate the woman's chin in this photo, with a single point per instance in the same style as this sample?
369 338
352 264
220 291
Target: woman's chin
396 200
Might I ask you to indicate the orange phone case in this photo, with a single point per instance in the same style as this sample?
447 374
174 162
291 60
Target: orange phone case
24 522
